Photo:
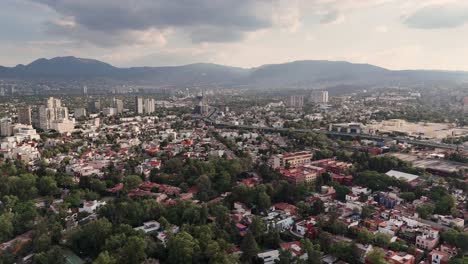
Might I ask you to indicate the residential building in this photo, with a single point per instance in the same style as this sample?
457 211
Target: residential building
6 127
94 107
109 111
118 104
438 257
291 159
296 101
319 97
138 105
80 112
302 174
429 239
24 116
148 106
50 112
269 257
149 227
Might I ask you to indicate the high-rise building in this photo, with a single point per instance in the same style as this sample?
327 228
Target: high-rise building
296 101
85 90
80 112
109 111
138 105
94 107
6 127
118 104
24 116
148 106
50 112
202 107
319 97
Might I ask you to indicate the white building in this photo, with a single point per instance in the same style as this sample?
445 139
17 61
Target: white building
319 97
269 257
138 105
149 106
149 227
91 206
109 111
50 112
63 125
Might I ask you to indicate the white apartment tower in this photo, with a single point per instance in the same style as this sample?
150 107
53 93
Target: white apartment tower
148 106
50 112
138 105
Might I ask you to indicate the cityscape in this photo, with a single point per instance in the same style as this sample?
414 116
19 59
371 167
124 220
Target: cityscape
293 160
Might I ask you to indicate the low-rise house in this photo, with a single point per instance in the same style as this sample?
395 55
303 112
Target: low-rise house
438 257
149 227
429 239
269 257
91 206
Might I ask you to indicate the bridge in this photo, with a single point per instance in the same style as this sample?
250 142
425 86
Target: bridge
424 143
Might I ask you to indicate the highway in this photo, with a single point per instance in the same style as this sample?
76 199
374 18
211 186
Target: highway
424 143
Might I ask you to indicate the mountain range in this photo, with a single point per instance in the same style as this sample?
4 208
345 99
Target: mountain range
297 74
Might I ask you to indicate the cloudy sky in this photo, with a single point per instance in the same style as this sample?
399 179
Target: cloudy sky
397 34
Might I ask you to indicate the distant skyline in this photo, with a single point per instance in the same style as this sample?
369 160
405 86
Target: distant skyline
394 34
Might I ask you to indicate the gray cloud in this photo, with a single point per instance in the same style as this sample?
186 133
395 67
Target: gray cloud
438 17
203 20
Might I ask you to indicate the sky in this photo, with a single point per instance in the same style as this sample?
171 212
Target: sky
395 34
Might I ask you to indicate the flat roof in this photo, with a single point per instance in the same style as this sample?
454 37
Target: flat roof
398 174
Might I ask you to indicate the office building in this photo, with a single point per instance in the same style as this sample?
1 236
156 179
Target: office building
296 101
138 105
51 111
94 107
24 116
319 97
201 107
85 90
118 105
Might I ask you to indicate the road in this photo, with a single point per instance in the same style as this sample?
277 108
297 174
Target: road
424 143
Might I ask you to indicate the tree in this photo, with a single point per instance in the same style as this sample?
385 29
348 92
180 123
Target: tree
104 258
285 257
90 238
182 248
364 236
48 186
425 210
444 205
249 247
133 251
376 256
460 260
367 210
131 182
263 201
52 256
6 226
313 252
381 240
257 227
